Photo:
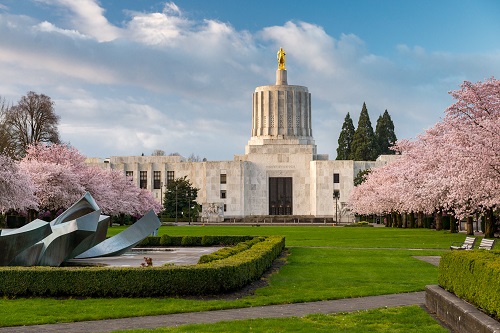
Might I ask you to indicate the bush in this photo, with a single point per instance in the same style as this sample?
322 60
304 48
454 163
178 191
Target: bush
150 241
230 251
191 241
473 276
167 240
216 277
359 224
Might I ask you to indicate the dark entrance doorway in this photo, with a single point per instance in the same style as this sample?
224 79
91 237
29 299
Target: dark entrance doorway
280 196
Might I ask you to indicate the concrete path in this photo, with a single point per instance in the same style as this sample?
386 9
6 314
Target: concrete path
271 311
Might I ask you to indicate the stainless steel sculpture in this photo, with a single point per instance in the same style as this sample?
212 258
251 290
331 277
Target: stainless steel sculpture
12 242
78 231
126 239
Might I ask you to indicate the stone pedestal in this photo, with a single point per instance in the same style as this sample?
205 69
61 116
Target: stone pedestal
281 77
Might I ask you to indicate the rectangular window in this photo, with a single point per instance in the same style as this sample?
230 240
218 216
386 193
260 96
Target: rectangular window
156 180
336 178
170 177
143 178
225 207
129 174
223 194
222 178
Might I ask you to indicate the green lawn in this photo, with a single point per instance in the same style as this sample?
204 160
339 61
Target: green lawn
327 235
408 319
339 263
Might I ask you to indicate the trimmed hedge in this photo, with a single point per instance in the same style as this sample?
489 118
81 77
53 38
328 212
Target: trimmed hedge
230 251
167 240
473 276
212 278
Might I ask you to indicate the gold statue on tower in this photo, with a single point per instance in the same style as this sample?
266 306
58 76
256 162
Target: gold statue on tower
281 59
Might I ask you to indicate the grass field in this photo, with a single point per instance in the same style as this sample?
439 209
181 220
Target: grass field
324 263
408 319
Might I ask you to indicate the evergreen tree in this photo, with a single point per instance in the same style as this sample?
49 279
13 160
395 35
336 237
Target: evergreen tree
364 144
180 199
345 139
384 132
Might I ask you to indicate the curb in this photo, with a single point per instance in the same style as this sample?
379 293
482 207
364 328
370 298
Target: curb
461 316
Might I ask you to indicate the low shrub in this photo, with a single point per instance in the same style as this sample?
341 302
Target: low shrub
473 276
150 241
167 240
215 277
230 251
191 241
359 224
223 240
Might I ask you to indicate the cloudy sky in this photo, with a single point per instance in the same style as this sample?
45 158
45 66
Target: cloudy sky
131 76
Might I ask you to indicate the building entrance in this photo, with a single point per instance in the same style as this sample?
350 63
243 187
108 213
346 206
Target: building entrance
280 196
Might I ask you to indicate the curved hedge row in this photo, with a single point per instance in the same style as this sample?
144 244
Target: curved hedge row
212 278
473 276
230 251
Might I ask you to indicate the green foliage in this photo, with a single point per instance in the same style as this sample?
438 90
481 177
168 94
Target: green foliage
180 200
218 277
473 276
364 144
359 224
167 240
150 241
230 251
385 135
191 241
345 139
361 176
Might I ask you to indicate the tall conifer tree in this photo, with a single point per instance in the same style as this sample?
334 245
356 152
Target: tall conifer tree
364 145
384 132
345 139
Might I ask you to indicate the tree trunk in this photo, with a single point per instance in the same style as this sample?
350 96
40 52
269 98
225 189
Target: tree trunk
400 220
489 224
470 226
439 221
412 219
405 220
420 220
453 224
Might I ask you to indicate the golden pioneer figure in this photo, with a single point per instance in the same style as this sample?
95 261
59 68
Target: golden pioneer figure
281 59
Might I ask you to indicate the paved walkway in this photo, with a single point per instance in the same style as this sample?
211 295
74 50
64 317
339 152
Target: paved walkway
271 311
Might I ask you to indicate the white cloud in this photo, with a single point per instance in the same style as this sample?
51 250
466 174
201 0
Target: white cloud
163 81
88 17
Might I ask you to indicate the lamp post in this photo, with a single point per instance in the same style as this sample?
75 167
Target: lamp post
175 203
189 204
336 196
161 193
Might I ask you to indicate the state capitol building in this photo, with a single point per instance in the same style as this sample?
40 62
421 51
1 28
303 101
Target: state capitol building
280 173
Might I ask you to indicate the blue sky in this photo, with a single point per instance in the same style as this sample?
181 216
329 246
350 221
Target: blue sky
131 76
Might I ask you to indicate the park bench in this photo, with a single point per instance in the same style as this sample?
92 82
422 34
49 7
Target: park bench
486 244
468 244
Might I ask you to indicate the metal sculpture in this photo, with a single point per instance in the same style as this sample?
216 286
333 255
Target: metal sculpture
12 242
76 233
126 239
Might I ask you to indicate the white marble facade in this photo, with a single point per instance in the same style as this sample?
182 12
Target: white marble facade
281 146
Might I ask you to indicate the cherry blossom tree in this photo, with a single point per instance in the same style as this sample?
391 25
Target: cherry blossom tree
453 167
16 189
61 177
56 186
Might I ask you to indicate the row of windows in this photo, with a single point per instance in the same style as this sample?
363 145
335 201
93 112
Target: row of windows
143 177
157 184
